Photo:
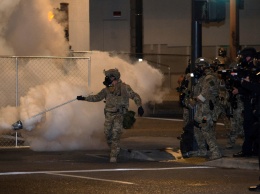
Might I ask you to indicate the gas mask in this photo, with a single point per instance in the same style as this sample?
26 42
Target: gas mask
107 81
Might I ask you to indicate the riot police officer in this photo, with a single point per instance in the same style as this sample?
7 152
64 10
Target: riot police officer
223 110
246 61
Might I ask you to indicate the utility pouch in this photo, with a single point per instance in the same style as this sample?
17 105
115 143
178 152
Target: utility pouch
129 119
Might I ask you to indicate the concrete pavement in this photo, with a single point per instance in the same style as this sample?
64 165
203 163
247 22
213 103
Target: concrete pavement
155 139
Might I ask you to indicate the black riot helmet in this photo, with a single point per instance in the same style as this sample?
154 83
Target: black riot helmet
246 55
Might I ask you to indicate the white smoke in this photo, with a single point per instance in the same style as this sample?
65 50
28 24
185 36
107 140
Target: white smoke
79 124
76 124
25 29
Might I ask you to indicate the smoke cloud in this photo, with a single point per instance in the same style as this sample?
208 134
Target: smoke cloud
74 124
25 29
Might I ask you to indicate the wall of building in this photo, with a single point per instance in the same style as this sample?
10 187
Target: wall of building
250 23
109 30
167 22
78 23
166 30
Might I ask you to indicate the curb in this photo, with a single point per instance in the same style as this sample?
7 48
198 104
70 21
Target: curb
146 155
242 163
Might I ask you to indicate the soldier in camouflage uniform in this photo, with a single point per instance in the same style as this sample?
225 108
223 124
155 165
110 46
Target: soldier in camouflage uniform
117 95
184 90
185 101
237 120
222 56
236 111
223 110
206 93
184 98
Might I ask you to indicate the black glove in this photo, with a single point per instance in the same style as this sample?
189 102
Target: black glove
80 98
140 111
196 124
211 105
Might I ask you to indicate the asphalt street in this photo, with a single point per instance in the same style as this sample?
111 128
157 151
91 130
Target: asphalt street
149 162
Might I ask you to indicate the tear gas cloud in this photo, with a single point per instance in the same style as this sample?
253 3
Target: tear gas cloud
77 124
25 29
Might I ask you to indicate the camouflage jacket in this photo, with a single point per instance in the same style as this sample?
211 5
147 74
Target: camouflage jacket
207 88
118 99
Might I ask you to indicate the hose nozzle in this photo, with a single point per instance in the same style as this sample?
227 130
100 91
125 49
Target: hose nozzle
17 125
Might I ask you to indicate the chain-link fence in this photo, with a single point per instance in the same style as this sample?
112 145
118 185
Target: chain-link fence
19 74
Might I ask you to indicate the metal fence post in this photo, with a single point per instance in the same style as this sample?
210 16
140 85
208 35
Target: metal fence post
89 72
16 93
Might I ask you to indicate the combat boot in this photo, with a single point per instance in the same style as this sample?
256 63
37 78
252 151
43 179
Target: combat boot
198 153
215 156
229 145
113 159
113 155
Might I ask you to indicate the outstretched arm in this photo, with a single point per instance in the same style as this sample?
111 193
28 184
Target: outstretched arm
94 98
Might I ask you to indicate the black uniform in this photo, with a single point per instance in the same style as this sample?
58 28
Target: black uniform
251 116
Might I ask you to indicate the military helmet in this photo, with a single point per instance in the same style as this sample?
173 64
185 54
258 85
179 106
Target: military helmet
222 52
112 73
202 62
202 66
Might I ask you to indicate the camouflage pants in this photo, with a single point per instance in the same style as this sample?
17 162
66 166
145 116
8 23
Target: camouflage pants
113 129
206 133
221 112
236 123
